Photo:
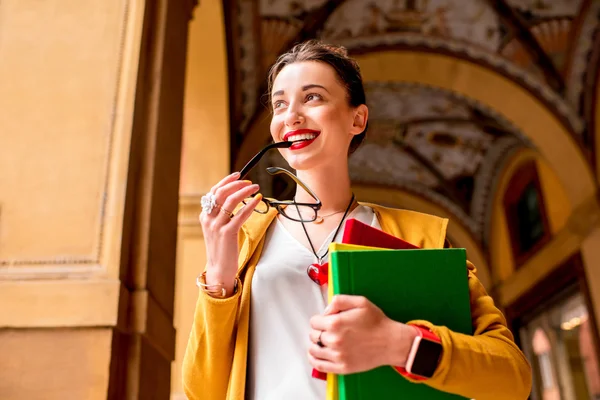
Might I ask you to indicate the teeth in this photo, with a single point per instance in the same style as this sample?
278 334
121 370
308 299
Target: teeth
303 136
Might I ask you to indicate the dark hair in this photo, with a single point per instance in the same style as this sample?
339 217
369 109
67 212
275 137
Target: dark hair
346 69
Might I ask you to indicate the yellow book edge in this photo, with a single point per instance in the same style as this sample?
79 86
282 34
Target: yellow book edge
332 385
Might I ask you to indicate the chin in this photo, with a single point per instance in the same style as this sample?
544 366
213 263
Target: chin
302 162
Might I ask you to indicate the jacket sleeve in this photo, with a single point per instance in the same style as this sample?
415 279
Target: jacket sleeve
209 352
487 365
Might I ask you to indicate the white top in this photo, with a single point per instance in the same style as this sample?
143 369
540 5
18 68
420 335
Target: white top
283 300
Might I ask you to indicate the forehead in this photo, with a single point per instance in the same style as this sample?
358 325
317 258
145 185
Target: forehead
296 75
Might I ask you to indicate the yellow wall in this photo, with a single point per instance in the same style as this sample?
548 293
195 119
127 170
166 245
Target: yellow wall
570 227
557 207
205 160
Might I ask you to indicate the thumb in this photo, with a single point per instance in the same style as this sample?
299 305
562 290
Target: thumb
343 302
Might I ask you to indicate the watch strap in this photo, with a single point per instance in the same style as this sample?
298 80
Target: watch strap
426 334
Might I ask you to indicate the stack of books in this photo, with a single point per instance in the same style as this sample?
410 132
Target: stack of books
407 283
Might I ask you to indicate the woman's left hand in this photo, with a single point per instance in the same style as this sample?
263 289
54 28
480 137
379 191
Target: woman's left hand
357 336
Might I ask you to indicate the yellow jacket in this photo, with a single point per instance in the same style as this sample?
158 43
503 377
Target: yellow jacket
486 366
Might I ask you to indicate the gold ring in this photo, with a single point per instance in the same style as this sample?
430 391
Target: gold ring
227 212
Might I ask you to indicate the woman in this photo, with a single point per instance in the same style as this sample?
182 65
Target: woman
261 322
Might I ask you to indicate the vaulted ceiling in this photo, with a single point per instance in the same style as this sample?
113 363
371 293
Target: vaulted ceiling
425 139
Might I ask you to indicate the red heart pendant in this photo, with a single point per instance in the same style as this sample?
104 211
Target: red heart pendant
318 273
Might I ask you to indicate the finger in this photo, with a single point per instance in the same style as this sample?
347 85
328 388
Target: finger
342 302
324 365
232 202
319 323
314 334
322 353
236 198
246 211
227 179
223 192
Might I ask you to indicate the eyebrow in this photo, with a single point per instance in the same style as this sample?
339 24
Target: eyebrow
304 89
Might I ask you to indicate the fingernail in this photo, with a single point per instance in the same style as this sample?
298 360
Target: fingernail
235 174
258 197
246 181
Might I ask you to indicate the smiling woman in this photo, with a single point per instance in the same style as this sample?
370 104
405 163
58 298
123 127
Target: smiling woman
262 321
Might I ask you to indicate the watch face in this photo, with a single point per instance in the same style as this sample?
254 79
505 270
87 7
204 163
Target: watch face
426 359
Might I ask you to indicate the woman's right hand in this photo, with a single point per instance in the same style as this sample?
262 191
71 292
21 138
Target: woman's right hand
221 231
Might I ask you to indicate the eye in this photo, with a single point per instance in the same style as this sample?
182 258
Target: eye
313 96
278 104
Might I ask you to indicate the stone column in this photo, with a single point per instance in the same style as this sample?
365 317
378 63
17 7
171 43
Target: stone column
90 135
205 159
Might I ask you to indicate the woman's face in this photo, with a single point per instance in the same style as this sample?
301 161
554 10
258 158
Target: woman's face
310 107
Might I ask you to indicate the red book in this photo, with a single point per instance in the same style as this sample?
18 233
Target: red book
356 232
361 234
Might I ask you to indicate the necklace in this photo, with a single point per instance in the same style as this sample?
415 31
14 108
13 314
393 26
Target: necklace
318 272
321 218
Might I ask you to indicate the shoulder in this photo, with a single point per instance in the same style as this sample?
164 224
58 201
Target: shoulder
423 230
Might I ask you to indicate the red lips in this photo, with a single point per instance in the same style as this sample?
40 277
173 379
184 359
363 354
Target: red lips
302 144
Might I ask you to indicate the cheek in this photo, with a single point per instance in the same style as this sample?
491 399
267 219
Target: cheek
338 122
275 127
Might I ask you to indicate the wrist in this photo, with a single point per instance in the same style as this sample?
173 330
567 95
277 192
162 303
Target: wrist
214 276
424 356
402 338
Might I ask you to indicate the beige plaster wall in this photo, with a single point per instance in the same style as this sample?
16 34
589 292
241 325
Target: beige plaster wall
76 366
58 82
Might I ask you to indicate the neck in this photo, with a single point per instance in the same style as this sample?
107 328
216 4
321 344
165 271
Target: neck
331 184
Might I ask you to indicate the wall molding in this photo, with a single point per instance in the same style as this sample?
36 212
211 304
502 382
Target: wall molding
59 303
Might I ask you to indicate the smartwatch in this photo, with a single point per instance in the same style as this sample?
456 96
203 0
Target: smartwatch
424 355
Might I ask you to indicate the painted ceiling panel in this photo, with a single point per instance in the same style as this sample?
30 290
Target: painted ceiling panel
420 138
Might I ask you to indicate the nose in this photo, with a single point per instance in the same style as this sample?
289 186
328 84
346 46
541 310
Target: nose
293 117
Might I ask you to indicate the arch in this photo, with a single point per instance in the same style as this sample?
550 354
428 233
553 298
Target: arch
521 107
480 83
458 234
557 207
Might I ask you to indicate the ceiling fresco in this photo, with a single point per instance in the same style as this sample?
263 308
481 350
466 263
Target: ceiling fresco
423 139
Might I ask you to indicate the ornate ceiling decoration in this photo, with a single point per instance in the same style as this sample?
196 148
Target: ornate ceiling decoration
436 143
424 139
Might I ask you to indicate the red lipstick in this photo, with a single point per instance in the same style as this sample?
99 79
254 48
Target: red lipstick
303 143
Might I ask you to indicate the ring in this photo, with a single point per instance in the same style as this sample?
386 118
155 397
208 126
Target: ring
319 343
208 203
227 212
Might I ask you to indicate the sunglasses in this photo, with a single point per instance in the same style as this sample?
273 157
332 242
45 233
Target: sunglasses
299 212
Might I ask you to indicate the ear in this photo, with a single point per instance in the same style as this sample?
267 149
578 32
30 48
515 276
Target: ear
361 116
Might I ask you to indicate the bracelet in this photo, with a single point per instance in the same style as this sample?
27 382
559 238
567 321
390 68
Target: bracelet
215 290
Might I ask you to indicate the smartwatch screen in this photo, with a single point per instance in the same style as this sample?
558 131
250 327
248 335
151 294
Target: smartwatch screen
426 359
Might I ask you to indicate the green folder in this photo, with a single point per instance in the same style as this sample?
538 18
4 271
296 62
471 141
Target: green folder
425 284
